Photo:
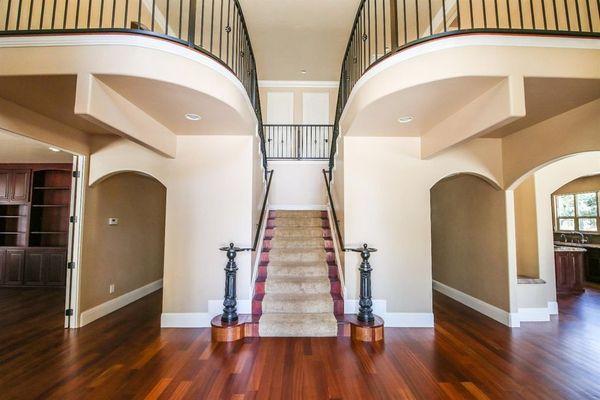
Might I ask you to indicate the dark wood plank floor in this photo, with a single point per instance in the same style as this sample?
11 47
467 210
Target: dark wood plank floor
127 356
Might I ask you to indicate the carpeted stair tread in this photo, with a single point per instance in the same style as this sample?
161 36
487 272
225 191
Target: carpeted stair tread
291 232
298 255
298 222
295 243
296 213
293 269
297 303
296 325
297 284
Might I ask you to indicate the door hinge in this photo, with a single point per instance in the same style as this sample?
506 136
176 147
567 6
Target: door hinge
69 312
71 265
73 219
76 174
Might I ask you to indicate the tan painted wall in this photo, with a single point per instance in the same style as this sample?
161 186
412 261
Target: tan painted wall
526 229
468 238
129 254
18 149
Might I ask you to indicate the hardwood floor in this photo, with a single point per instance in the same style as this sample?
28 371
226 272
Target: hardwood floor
127 356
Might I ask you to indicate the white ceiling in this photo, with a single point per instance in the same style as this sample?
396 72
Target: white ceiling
293 35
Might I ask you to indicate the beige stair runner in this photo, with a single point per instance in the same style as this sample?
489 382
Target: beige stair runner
297 298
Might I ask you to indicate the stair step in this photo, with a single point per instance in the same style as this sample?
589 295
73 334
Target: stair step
297 269
294 213
285 284
297 255
297 303
298 325
297 243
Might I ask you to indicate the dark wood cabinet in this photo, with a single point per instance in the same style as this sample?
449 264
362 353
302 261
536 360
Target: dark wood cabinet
15 185
34 223
14 261
592 269
569 271
5 185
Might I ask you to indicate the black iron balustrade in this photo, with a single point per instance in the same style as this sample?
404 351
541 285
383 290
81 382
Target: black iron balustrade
297 142
384 27
213 27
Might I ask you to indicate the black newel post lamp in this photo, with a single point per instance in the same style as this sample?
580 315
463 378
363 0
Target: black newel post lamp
365 311
230 303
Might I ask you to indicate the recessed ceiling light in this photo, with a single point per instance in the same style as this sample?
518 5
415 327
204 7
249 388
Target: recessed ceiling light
54 149
405 119
303 71
193 117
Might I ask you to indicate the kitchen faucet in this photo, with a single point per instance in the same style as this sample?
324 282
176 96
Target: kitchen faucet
583 239
563 238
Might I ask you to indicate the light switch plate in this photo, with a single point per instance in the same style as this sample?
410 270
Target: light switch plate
113 221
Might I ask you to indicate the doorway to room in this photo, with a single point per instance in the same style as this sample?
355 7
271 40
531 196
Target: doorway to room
39 231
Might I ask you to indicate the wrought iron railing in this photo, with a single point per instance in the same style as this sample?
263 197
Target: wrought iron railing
213 27
384 27
298 142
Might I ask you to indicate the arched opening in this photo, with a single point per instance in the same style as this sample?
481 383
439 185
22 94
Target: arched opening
468 240
549 228
123 242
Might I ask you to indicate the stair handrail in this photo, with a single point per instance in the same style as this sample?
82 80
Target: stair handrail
230 315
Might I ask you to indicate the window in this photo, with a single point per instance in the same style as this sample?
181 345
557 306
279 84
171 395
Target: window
577 212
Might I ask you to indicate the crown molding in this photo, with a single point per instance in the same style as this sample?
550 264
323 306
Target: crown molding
299 84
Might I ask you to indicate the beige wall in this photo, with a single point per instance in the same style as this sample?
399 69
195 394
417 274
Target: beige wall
297 184
572 132
298 100
18 149
386 196
130 254
468 238
526 229
585 184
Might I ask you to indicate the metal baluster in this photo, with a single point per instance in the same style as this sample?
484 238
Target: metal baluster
568 17
393 25
444 15
508 12
578 16
521 14
42 13
458 13
497 16
589 14
101 13
180 18
112 19
544 14
404 16
126 13
471 12
19 15
417 17
167 18
484 14
221 29
376 33
30 14
192 24
212 24
430 20
384 30
152 15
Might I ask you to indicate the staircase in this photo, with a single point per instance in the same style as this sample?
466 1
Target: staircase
297 290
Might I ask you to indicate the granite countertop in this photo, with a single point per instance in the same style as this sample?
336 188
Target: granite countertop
566 249
584 245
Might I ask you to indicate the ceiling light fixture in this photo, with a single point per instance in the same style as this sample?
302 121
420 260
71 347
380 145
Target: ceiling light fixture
54 149
405 119
193 117
303 71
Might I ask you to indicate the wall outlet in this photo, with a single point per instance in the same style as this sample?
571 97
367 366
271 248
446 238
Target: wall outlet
113 221
111 288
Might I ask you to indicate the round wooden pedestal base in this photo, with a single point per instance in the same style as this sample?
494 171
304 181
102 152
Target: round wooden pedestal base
366 332
244 327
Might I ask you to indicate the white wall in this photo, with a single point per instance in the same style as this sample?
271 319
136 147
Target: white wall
298 185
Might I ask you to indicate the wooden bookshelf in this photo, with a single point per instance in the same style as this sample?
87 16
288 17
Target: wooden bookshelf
34 224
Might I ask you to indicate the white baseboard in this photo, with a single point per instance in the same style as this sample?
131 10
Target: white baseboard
504 317
393 319
528 314
185 320
552 308
300 207
408 320
119 302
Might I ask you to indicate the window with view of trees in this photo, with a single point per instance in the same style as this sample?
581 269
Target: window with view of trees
576 212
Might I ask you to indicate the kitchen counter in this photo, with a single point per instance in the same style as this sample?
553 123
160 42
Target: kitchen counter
568 249
584 245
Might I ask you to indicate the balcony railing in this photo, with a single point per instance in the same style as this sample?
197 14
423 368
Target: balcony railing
213 27
384 27
298 142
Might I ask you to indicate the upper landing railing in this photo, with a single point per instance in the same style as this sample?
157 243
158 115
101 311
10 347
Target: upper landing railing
213 27
384 27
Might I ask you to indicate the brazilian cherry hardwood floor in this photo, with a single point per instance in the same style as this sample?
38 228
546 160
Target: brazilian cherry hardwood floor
127 356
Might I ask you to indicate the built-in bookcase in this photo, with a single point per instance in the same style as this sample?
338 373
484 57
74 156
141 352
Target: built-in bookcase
50 198
13 224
